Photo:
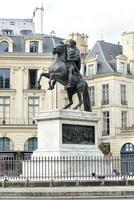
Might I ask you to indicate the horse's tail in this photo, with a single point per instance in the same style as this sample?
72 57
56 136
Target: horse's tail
86 99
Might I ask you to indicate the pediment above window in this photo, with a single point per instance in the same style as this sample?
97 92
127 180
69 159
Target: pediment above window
90 59
122 57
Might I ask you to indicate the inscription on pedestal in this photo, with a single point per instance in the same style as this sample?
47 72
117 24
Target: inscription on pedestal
78 134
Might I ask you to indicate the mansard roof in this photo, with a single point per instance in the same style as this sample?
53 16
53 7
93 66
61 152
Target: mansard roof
105 54
49 42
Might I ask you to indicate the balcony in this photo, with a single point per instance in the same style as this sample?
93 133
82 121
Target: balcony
17 122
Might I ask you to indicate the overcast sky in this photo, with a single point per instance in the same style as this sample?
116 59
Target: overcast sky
99 19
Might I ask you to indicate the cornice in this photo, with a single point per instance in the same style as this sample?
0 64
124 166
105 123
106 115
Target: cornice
26 55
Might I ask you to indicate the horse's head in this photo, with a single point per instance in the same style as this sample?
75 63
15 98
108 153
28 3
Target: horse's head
59 49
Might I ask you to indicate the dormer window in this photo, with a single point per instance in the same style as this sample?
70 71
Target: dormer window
122 68
34 46
4 46
91 70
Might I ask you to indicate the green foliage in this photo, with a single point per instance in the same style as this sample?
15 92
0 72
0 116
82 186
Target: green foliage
105 148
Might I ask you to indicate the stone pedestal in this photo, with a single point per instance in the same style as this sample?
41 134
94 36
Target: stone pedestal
67 133
67 147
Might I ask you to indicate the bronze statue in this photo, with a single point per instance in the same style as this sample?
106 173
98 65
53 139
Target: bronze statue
65 69
73 61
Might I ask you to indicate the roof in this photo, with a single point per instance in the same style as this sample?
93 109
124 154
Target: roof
49 42
105 54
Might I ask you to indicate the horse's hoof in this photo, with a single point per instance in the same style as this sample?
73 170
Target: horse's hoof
39 87
75 108
51 88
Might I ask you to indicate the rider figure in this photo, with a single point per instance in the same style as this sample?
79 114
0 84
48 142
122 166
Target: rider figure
74 63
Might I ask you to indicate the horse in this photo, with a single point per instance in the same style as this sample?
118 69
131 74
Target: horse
58 71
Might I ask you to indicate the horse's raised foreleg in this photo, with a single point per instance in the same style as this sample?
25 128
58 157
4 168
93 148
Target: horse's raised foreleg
53 76
80 100
51 85
47 75
70 93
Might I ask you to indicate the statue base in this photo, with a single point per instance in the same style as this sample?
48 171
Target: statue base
67 146
67 133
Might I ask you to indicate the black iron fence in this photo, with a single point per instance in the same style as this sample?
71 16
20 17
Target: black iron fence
67 168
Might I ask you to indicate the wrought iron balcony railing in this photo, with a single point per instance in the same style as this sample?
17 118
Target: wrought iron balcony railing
17 121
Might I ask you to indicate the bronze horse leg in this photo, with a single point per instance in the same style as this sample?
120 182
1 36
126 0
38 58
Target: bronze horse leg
47 75
54 77
70 92
80 100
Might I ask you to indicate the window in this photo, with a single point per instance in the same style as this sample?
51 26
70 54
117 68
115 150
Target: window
106 124
105 94
122 68
96 55
32 78
26 32
5 144
31 144
33 108
4 78
7 32
132 68
123 95
12 23
124 119
84 70
127 148
4 109
34 47
91 70
4 46
92 95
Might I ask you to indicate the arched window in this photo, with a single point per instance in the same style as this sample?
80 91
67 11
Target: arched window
127 148
31 144
5 144
127 157
4 46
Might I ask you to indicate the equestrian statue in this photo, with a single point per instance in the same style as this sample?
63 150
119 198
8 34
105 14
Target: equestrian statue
65 69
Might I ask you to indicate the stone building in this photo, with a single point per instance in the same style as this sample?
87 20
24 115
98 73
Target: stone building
25 52
109 71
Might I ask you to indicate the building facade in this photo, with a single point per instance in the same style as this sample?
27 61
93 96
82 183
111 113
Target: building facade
109 72
26 52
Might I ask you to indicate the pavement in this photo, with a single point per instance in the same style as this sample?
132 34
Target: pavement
89 192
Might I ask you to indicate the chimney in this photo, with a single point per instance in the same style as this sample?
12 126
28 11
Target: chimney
38 19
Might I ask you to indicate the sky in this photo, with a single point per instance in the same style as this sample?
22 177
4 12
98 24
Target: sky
99 19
